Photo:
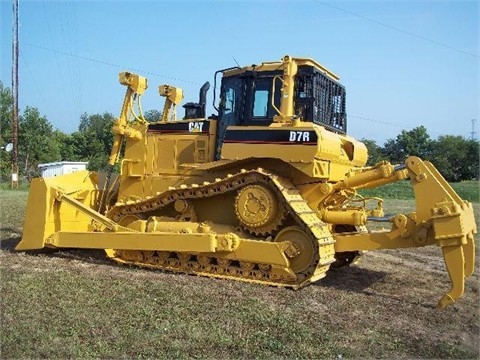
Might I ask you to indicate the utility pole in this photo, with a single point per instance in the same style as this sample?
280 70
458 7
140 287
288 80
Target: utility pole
15 95
472 134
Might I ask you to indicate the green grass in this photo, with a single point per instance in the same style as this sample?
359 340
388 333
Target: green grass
57 312
76 304
147 319
467 190
12 208
8 186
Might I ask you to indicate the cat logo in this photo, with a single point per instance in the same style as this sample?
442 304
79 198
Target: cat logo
195 126
299 136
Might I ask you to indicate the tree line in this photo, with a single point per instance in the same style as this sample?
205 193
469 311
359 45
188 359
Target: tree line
456 157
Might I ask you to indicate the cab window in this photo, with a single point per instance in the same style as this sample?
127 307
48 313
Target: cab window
260 103
262 108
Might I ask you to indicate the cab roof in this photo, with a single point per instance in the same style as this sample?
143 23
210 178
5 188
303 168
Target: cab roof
278 66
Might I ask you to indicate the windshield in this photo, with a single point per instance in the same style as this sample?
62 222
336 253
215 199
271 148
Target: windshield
230 101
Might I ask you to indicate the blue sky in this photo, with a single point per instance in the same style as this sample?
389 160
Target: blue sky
404 63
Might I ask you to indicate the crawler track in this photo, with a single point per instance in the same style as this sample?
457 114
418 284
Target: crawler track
213 264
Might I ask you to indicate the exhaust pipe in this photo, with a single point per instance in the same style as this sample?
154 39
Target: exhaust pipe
202 99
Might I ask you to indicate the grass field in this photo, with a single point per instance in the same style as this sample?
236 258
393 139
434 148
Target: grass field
76 304
468 190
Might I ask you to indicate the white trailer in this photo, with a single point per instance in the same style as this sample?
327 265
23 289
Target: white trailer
61 168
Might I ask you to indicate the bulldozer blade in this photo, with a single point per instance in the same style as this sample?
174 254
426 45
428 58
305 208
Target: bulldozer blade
45 215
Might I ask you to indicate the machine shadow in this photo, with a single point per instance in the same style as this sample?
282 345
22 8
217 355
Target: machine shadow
11 237
360 280
351 278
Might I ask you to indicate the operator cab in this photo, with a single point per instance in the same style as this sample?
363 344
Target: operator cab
247 94
245 98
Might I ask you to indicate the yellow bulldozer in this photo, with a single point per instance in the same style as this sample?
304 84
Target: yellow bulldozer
265 191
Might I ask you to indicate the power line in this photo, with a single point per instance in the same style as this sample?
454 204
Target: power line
398 29
109 63
34 80
375 121
172 78
389 123
192 82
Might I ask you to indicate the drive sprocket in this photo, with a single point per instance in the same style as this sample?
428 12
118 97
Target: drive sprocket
258 210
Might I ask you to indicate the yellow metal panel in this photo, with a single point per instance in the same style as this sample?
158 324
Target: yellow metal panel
150 154
185 150
246 250
261 252
166 154
295 153
130 241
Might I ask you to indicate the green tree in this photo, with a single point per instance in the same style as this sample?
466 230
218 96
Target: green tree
36 142
93 140
6 107
375 153
415 142
455 157
152 115
472 171
67 148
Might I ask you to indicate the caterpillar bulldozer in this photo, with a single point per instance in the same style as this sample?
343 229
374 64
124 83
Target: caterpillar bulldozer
265 191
